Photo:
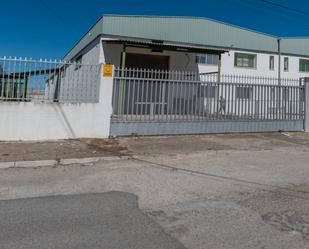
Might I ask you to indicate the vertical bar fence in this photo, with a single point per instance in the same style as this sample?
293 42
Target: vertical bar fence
141 95
23 79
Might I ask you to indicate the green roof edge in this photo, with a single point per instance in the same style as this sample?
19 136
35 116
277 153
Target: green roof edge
101 20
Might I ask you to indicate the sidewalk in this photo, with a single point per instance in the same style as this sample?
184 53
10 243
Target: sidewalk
182 145
85 151
60 149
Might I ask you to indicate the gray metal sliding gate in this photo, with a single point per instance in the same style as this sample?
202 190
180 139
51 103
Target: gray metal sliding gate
150 102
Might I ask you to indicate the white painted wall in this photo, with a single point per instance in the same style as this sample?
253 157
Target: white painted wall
42 121
91 53
262 66
186 62
81 82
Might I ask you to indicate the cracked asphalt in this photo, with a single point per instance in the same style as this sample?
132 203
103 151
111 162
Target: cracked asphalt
213 191
110 220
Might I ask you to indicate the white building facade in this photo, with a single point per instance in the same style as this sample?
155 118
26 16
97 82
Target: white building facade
197 45
165 93
233 62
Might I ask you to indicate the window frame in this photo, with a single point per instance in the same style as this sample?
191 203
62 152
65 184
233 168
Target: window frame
272 63
205 61
303 60
286 62
245 54
79 61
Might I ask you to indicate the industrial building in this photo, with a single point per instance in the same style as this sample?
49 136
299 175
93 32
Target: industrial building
191 44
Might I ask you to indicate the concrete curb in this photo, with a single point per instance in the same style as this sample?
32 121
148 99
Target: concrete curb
60 162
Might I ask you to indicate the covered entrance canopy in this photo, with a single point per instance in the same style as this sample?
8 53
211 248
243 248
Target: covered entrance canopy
153 60
150 54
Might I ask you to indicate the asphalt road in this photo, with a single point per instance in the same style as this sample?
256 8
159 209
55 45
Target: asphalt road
111 220
237 191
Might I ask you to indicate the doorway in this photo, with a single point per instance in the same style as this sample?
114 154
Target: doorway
147 61
148 97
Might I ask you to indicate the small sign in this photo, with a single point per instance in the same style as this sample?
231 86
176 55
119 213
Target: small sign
108 70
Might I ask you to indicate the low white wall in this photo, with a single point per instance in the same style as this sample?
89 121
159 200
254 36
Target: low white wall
39 121
42 121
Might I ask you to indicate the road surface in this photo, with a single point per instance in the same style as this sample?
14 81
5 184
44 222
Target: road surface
111 220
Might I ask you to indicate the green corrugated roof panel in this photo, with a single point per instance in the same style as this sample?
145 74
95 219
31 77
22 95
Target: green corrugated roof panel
199 31
297 46
189 30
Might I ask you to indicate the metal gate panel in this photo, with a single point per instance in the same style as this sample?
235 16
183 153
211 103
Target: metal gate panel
150 102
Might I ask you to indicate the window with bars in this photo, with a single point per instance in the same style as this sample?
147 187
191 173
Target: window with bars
243 92
208 59
303 66
207 91
245 60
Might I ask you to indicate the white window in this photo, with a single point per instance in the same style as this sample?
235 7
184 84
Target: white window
303 65
245 60
286 64
271 62
209 59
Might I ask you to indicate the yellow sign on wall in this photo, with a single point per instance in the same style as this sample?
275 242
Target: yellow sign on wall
108 70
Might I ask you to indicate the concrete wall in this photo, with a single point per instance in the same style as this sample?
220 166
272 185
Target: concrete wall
41 120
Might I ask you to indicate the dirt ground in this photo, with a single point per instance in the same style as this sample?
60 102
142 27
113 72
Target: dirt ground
51 150
165 145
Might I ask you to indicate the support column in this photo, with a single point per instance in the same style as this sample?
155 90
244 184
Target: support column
106 97
306 100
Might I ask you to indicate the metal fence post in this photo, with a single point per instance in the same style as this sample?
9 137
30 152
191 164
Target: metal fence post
306 100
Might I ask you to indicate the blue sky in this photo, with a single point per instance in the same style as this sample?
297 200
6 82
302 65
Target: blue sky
48 29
